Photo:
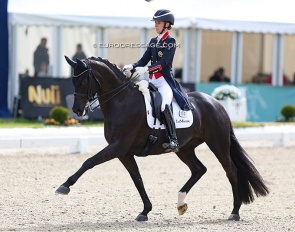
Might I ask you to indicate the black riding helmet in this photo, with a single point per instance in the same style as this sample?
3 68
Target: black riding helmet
164 15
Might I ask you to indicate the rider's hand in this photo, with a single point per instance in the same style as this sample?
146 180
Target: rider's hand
127 67
141 70
127 70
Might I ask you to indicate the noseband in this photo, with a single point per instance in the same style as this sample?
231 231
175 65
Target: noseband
92 99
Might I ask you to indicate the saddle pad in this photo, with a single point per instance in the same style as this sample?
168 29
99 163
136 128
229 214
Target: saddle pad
183 119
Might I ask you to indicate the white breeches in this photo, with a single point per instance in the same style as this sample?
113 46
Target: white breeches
164 89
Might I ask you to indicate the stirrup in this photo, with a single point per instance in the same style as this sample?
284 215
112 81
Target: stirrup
171 147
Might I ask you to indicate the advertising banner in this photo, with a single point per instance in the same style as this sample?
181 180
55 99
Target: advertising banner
40 94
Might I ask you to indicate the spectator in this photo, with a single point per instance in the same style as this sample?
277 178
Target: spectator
219 76
78 55
285 80
41 58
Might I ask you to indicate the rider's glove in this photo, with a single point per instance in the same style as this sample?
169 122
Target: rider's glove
127 70
127 67
141 70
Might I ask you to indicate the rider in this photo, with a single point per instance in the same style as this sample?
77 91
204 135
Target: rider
160 52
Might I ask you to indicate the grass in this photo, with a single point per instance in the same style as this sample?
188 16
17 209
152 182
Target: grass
19 123
30 123
247 124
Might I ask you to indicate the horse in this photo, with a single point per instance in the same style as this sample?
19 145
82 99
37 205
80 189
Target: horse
126 132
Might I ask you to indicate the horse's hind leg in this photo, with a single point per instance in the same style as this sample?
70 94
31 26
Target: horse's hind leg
221 149
131 166
197 171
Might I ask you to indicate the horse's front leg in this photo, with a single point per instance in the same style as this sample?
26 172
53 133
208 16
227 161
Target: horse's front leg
104 155
131 166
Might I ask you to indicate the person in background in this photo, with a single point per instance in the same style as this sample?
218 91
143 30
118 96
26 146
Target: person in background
219 76
78 55
285 80
161 52
41 58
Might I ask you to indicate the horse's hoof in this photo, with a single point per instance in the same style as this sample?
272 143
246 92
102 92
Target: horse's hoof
62 190
141 218
234 217
182 209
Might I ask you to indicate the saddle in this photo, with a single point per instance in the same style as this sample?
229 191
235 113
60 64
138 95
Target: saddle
153 102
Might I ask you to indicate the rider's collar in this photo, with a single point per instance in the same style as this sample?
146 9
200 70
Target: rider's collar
162 36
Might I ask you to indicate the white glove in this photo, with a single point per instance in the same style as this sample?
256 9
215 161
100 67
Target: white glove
127 67
141 70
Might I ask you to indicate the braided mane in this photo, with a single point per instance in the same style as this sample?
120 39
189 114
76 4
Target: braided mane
111 65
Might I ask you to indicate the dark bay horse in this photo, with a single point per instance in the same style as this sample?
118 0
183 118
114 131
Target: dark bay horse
126 131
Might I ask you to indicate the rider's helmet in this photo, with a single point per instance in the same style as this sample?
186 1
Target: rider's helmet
164 15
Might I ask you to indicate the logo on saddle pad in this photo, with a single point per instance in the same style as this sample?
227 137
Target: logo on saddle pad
183 119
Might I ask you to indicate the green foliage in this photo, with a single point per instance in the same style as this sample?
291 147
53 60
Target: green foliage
59 113
247 124
288 111
20 123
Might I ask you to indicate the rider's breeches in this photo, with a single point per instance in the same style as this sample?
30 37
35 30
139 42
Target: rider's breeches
164 89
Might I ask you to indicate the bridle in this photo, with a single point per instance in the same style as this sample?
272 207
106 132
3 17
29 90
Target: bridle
92 99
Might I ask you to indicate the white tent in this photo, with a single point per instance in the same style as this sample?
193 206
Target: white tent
238 16
261 16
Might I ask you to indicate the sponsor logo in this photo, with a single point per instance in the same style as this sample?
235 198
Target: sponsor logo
182 121
47 96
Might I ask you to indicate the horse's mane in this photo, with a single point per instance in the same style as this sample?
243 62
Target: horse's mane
111 65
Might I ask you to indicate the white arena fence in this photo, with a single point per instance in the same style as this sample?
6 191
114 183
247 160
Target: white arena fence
78 139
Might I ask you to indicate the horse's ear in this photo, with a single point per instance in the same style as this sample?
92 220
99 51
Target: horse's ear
81 63
71 62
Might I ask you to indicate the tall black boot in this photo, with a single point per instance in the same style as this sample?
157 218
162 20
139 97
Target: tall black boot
173 145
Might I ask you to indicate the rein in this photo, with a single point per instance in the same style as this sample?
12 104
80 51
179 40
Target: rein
93 102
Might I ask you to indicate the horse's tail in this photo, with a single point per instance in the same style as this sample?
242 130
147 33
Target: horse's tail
249 179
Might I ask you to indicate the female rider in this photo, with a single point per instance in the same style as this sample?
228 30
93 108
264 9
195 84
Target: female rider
161 52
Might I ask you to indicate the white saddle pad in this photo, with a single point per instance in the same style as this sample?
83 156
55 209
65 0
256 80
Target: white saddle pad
183 119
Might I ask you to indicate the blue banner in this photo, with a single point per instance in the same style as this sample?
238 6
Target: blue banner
4 112
264 102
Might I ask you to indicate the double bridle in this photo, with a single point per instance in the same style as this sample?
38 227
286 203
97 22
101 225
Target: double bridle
92 99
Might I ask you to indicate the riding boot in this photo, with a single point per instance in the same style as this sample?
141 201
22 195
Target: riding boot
173 145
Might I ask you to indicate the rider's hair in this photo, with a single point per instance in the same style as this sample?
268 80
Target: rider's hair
169 27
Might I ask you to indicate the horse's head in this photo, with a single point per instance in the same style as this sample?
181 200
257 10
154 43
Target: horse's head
89 75
85 89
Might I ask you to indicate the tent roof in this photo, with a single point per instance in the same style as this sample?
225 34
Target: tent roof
259 16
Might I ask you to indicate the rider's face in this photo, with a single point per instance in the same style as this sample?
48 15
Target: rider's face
159 25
